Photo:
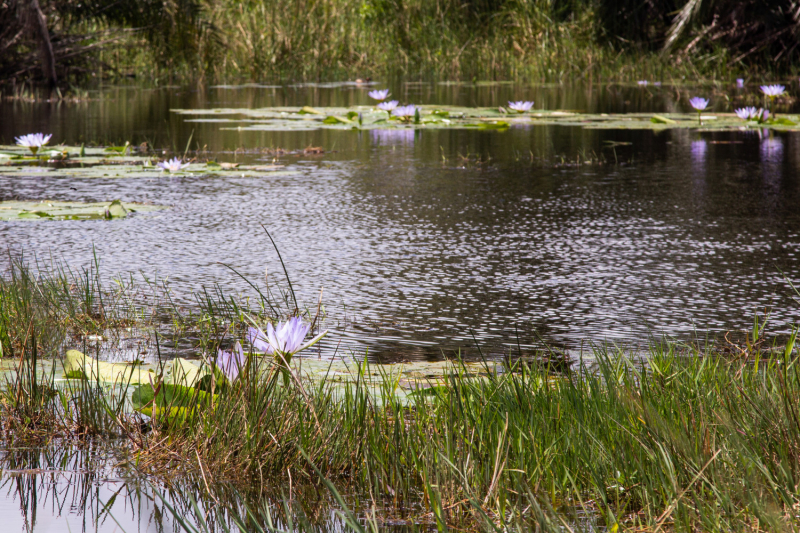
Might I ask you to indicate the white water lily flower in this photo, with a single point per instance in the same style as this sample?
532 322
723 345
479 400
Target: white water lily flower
173 165
772 91
33 141
748 113
521 106
405 112
388 106
379 95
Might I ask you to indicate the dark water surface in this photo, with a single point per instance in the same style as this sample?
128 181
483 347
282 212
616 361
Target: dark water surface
422 239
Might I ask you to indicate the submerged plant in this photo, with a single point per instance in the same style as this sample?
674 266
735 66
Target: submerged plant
388 106
173 165
33 141
405 113
379 95
699 104
521 106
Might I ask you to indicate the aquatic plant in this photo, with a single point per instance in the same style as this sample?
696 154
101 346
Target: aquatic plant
740 83
699 104
388 106
285 339
173 165
772 91
520 106
231 362
379 95
405 113
33 141
748 113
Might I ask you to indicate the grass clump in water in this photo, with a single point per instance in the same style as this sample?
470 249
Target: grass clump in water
687 438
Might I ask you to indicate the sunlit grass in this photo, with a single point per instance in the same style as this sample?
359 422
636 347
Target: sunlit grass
687 438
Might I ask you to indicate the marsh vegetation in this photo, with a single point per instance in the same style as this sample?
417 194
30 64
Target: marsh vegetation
66 42
683 437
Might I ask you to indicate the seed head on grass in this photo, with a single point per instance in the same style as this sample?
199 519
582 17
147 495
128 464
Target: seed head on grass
33 141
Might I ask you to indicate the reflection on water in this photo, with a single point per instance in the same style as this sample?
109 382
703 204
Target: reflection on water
63 489
422 240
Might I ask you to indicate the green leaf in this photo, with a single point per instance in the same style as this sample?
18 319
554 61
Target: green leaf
80 366
52 210
306 110
169 396
336 120
658 119
186 373
116 210
496 125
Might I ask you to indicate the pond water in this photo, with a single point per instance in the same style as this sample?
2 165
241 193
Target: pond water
422 240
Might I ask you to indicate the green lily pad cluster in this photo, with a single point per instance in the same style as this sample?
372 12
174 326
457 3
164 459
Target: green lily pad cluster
111 162
177 389
53 210
443 117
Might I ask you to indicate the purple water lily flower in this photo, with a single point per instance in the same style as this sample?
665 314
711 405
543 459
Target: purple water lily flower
763 115
698 103
740 83
388 106
286 339
521 106
231 363
381 95
748 113
33 141
173 165
642 82
404 112
772 91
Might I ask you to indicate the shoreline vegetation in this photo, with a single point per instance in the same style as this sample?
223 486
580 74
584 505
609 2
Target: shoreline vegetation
687 437
67 44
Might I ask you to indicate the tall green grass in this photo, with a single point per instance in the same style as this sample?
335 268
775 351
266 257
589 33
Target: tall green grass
313 40
684 438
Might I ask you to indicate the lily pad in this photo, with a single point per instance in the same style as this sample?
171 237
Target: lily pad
80 366
53 210
442 117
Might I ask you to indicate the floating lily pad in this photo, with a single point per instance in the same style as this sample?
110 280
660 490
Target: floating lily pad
116 163
439 117
80 366
53 210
